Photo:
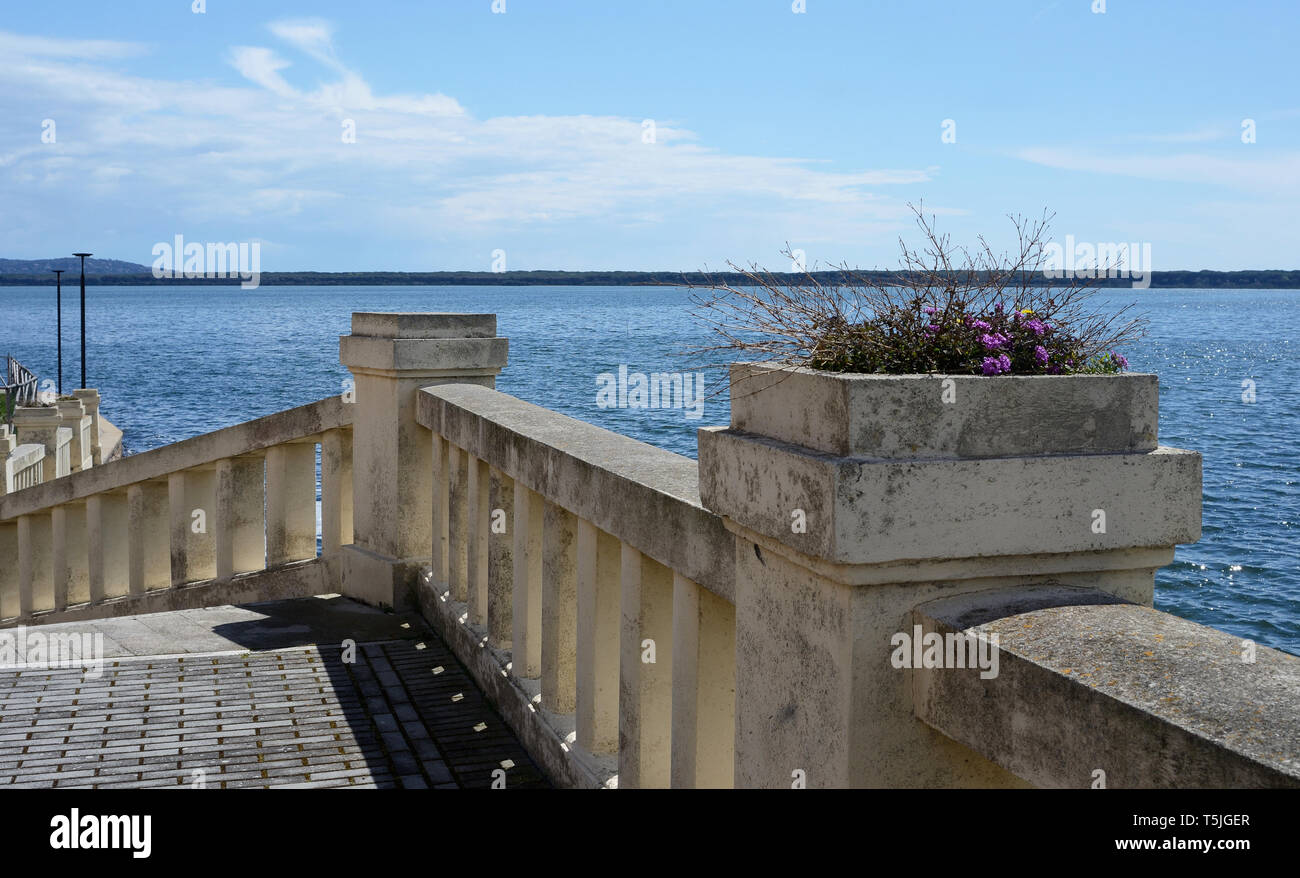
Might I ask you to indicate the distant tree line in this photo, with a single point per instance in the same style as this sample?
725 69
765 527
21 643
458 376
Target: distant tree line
1255 279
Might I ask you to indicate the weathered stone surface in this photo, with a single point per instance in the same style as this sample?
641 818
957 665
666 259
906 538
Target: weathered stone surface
1089 683
859 511
423 357
423 325
909 417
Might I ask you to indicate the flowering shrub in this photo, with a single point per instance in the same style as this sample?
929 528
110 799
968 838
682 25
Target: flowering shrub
947 310
954 341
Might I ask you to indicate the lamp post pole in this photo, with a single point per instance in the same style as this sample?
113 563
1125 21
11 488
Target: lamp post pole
83 315
58 303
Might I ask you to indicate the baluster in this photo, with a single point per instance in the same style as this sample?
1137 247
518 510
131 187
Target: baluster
441 492
336 491
108 541
526 611
559 609
148 516
192 508
704 688
598 639
478 518
458 487
501 576
35 564
9 570
240 525
290 503
70 565
645 672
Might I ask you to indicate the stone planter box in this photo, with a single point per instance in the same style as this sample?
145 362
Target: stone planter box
886 468
905 417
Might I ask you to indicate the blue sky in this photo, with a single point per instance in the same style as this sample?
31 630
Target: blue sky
523 131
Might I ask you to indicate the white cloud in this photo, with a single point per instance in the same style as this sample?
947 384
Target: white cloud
421 165
1264 172
263 67
23 45
1200 135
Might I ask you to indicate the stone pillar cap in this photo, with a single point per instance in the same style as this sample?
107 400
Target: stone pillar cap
415 325
37 416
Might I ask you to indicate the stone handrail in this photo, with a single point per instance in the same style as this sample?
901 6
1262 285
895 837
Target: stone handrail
582 467
1092 690
223 508
23 465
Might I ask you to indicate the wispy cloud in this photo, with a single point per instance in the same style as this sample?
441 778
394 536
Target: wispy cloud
15 45
1200 135
1256 170
421 164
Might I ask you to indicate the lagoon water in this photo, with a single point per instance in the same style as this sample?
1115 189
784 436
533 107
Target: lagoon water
172 362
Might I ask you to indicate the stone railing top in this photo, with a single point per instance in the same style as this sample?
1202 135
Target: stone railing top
645 496
246 438
1089 683
400 325
23 456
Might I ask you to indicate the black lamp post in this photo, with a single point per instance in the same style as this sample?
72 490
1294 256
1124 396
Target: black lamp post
58 278
83 315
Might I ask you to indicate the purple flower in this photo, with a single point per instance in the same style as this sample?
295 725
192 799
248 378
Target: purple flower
980 324
1036 326
993 341
998 307
997 365
929 309
1120 359
1040 354
932 329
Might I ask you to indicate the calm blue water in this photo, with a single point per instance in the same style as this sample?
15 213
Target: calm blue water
172 362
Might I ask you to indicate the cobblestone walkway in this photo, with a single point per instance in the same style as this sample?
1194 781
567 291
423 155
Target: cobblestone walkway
403 714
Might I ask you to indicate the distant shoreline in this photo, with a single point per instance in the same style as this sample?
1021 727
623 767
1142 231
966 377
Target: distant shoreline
1254 279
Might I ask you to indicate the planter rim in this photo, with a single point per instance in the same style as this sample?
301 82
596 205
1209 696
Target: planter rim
878 376
931 416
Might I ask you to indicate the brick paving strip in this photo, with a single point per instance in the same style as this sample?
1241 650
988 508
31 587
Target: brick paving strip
403 715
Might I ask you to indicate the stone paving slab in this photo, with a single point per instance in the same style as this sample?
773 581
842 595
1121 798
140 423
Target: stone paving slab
258 696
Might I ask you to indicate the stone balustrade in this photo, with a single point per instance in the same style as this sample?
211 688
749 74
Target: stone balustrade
89 398
223 517
43 425
72 433
601 586
765 617
21 466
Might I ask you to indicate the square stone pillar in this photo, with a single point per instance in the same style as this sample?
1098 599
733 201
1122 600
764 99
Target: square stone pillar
853 498
89 397
392 356
43 425
73 413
